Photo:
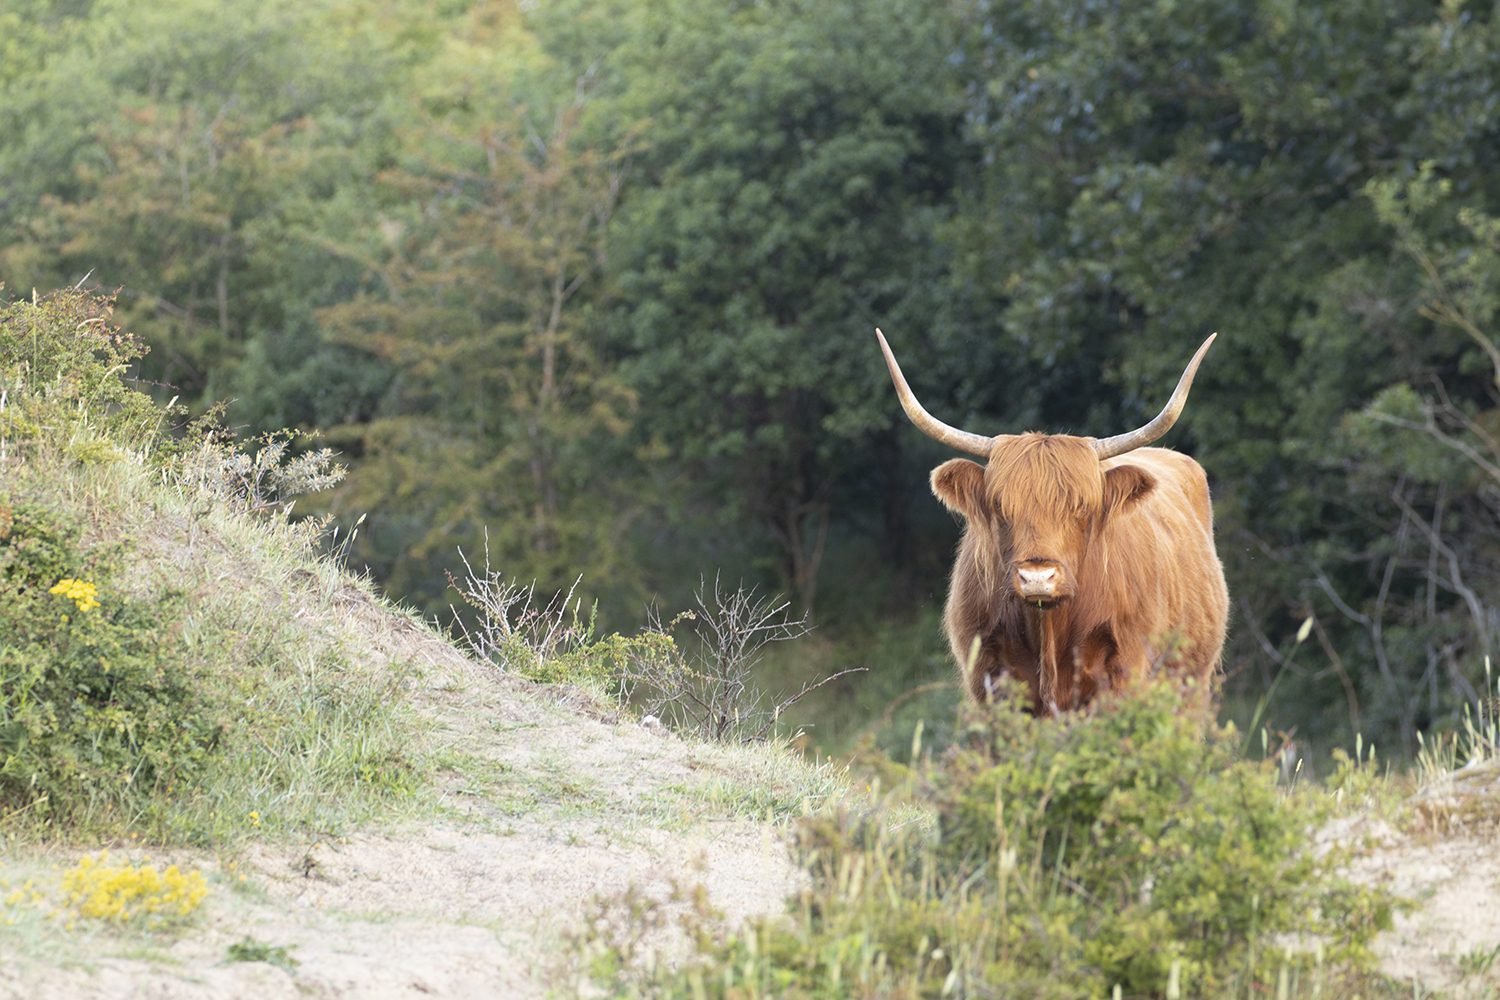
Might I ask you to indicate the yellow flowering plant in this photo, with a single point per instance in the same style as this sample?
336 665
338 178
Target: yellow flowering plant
123 893
16 900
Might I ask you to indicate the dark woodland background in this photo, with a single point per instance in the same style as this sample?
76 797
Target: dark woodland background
599 278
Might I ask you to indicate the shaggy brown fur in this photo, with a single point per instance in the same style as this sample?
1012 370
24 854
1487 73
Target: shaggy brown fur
1130 539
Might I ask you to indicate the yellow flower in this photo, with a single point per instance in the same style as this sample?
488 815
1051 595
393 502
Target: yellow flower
80 592
96 889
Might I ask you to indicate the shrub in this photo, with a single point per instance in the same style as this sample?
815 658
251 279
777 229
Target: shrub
263 474
94 708
709 687
1128 849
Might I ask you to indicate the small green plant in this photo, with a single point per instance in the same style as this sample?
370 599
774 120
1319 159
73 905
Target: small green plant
128 893
1479 961
251 950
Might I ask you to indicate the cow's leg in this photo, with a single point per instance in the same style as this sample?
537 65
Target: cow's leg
981 666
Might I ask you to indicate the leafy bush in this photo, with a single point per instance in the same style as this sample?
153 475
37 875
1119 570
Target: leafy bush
1061 858
94 708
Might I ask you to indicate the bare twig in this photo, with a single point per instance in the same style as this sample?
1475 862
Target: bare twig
710 689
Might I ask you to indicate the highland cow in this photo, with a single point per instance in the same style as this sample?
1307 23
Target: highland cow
1085 563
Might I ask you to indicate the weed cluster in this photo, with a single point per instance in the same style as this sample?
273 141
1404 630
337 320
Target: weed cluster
1126 850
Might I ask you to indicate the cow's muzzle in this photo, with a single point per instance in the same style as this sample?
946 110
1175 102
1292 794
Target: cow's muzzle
1042 585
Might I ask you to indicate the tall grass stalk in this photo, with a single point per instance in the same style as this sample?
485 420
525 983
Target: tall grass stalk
1476 741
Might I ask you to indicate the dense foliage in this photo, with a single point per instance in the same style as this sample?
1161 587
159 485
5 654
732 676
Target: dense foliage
91 703
600 276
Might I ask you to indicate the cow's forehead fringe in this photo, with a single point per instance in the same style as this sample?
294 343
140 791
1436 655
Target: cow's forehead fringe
1032 474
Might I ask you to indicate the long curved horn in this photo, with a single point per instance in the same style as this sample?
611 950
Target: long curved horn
974 444
1119 444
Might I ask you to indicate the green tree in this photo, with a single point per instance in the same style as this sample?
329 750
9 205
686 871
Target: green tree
1423 462
1172 170
797 158
505 418
199 168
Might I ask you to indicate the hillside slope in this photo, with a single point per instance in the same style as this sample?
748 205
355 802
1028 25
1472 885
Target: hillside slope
187 681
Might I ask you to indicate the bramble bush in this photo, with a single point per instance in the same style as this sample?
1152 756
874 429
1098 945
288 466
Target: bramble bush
1128 849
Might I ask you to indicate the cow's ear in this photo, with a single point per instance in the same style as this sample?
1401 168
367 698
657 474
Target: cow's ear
1125 485
959 483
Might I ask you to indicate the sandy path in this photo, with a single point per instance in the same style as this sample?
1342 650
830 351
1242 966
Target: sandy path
1447 865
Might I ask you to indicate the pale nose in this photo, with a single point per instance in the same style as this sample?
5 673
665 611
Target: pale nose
1038 582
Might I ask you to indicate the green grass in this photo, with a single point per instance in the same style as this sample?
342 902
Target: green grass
251 950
